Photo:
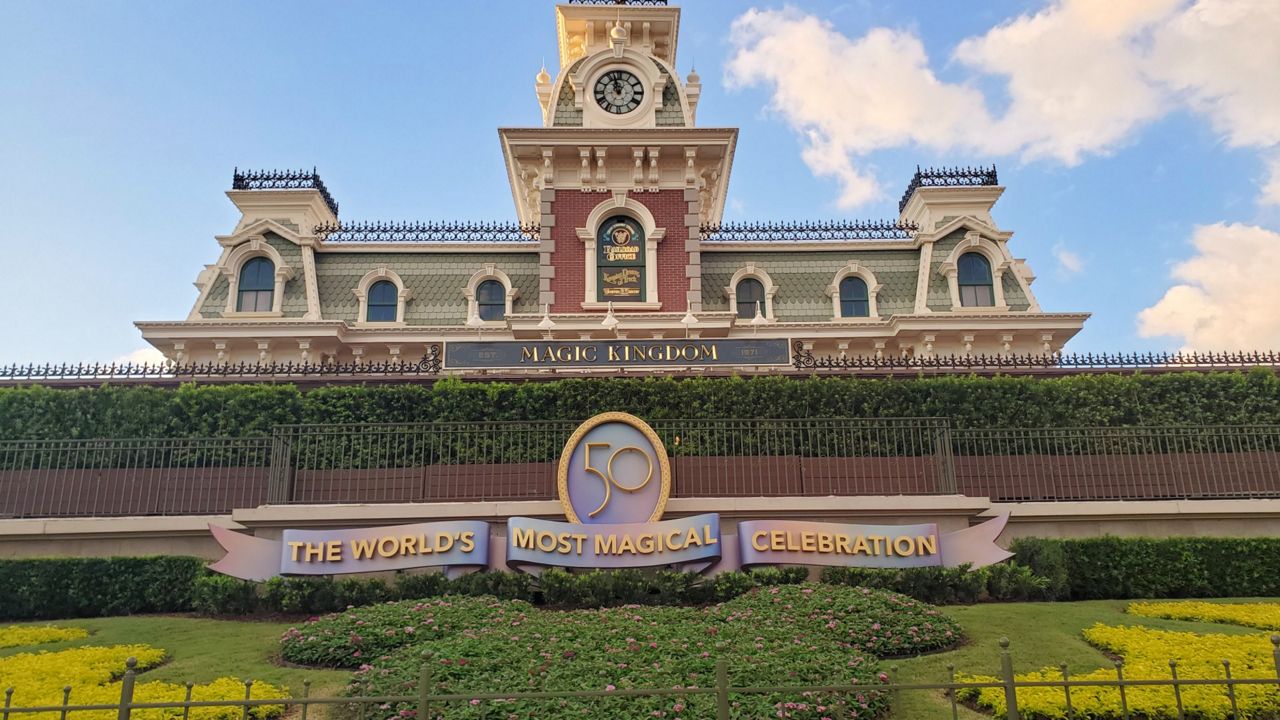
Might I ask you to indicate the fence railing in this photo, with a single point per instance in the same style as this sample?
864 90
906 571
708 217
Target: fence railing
435 462
432 701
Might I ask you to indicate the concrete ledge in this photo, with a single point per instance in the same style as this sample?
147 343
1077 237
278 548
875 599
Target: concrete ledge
107 527
1136 509
1150 518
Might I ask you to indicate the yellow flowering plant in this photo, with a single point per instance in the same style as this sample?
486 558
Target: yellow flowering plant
1264 616
1146 653
20 635
93 674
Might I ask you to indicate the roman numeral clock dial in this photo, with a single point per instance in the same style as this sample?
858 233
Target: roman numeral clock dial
619 92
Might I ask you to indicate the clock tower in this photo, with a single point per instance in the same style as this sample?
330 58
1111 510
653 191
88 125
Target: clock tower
619 179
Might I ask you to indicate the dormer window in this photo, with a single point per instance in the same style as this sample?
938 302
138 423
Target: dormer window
750 298
974 275
384 302
256 289
491 300
854 299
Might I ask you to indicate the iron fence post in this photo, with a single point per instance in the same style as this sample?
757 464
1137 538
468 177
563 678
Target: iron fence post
424 686
722 690
280 471
946 460
8 702
1275 653
1006 676
126 689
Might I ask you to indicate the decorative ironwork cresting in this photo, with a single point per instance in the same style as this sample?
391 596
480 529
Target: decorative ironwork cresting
377 231
282 180
428 365
819 231
804 359
942 177
617 2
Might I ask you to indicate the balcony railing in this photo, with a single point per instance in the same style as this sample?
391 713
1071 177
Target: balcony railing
456 462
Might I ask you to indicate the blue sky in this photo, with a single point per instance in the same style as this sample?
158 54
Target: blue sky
121 123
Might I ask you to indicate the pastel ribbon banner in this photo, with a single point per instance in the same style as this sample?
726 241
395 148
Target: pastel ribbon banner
683 541
795 542
335 552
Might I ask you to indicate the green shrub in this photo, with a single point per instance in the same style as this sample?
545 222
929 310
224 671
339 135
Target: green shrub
224 595
1047 559
937 585
809 634
1114 567
1011 582
417 586
35 589
1190 398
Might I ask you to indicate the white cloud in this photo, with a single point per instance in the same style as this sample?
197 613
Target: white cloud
1271 191
1082 76
1073 75
1226 294
141 355
1223 58
1070 263
850 97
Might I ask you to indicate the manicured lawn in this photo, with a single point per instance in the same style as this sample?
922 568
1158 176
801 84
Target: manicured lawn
201 650
1040 635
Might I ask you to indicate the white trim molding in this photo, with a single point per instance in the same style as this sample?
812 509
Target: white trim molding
853 269
751 270
490 272
257 246
975 242
621 204
361 291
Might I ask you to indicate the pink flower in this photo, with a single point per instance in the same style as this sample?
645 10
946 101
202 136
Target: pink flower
609 688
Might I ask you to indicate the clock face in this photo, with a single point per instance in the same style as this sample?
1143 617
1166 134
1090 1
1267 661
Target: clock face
619 92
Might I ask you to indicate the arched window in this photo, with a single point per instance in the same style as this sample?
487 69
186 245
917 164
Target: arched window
975 281
750 296
257 286
854 301
491 300
384 302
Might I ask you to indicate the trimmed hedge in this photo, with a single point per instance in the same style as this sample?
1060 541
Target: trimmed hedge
43 589
1120 568
1190 398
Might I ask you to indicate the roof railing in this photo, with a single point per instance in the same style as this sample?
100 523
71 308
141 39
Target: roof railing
282 180
948 177
430 231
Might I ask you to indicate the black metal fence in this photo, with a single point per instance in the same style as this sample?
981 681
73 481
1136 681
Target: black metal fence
431 700
437 462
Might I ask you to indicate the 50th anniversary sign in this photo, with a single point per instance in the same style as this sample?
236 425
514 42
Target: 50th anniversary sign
613 482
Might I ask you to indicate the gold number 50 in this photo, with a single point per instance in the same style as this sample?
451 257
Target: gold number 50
607 477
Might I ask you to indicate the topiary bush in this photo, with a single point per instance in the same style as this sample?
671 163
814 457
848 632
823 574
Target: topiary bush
782 634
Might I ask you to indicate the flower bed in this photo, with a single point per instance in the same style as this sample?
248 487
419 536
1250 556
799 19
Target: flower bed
787 635
1146 653
20 635
1264 616
93 674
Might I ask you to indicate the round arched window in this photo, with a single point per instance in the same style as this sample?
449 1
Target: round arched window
256 290
491 300
975 281
854 300
750 298
384 302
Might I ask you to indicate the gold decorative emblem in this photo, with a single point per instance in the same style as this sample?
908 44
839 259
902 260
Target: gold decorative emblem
620 234
622 277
